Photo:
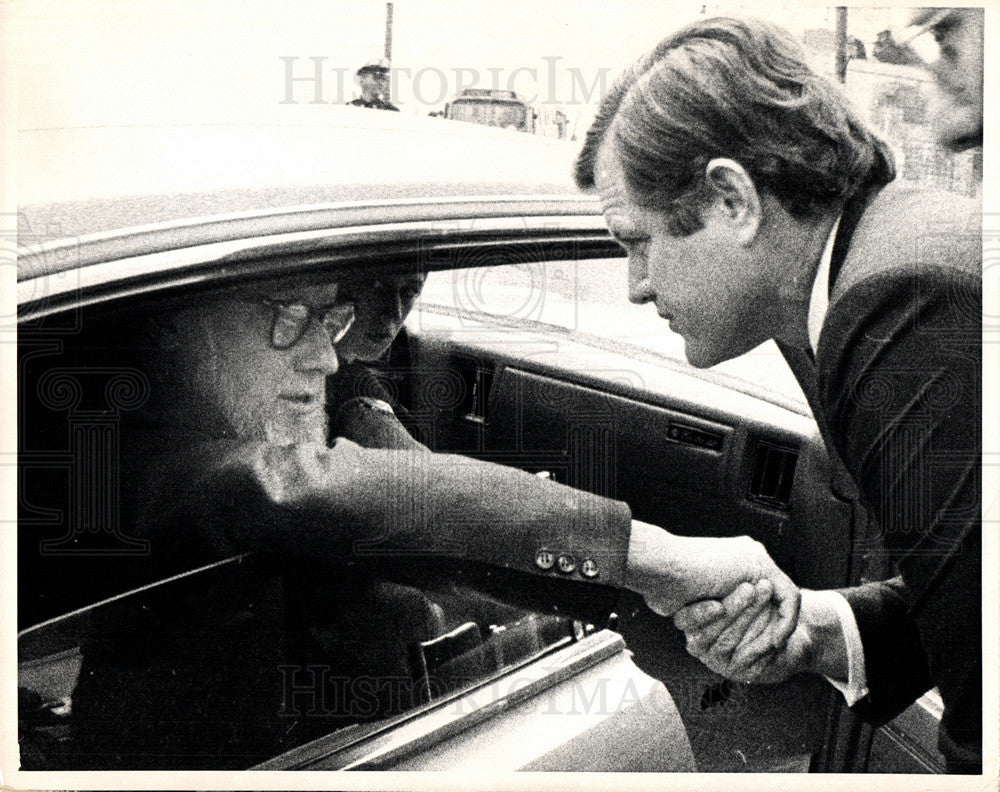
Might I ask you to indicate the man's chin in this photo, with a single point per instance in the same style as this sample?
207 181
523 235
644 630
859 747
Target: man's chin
311 428
698 356
703 357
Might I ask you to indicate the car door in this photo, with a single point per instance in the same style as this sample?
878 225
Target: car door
520 365
224 662
535 385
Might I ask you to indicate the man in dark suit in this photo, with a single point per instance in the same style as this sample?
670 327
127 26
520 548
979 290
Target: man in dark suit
754 203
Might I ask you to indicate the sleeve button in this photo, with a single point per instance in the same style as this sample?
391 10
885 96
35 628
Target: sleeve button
544 559
589 568
567 563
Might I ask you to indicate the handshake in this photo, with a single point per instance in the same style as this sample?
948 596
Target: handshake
743 617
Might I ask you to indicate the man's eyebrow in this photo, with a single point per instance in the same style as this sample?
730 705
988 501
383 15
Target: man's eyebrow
330 306
921 23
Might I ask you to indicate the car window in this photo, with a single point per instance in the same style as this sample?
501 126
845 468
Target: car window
589 298
126 630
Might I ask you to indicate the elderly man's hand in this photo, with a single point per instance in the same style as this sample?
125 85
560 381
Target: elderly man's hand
672 571
727 637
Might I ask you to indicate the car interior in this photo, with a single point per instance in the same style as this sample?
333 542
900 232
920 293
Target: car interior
696 452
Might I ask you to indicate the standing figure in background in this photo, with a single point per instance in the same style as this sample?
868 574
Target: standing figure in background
373 78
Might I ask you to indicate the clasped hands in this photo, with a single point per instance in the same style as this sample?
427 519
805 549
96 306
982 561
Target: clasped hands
743 617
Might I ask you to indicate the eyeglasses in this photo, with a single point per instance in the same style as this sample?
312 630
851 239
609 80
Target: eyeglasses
291 320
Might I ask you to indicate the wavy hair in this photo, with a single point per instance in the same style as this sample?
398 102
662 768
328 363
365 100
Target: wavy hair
740 89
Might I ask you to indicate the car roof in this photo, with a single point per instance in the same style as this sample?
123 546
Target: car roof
74 182
121 208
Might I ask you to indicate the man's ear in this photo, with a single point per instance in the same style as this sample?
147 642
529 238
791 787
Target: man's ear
736 195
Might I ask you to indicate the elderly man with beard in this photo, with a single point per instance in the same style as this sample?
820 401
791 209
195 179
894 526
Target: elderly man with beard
231 455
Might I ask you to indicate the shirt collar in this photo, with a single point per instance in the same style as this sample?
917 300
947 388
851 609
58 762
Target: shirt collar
819 300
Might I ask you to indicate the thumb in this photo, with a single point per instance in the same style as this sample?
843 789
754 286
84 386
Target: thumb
788 596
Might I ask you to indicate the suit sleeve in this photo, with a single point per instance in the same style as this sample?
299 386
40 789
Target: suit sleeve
412 510
900 359
895 663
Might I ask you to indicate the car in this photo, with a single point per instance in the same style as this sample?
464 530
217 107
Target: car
522 351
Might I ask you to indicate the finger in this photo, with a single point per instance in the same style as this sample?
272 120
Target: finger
757 651
761 670
748 624
758 641
788 597
732 606
738 599
698 615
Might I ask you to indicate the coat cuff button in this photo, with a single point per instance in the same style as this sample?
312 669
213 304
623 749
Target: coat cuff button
566 563
589 568
544 559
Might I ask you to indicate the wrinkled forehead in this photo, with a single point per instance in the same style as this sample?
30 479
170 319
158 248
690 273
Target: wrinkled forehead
243 300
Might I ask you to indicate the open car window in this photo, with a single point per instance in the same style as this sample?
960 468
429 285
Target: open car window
137 651
589 299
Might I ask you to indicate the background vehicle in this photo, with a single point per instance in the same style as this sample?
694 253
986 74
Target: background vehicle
504 360
491 107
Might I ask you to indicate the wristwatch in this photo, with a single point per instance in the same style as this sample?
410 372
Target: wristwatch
375 404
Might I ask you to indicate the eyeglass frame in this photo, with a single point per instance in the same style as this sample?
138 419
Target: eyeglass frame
322 315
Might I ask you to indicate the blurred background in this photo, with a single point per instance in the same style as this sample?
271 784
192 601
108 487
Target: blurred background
100 62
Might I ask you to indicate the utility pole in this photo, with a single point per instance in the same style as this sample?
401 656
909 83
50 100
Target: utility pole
840 45
388 32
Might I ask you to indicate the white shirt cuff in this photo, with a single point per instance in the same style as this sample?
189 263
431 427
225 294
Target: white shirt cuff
856 687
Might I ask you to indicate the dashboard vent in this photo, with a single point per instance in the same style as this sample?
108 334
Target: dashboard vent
772 475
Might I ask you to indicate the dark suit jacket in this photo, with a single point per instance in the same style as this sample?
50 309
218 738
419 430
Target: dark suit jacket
896 393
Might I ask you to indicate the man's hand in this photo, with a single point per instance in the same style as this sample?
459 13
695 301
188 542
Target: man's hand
672 571
726 636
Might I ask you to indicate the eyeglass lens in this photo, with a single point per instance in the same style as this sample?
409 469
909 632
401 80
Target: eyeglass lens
292 319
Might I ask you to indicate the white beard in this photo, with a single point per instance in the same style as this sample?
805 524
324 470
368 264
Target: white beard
223 403
250 421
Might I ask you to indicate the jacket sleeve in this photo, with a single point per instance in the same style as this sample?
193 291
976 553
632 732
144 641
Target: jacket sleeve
895 664
411 509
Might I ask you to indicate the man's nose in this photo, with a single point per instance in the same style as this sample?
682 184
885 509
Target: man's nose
398 309
315 351
640 290
391 308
